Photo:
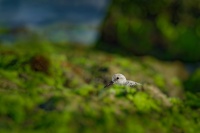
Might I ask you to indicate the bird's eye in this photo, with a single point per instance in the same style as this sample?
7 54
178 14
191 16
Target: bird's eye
117 77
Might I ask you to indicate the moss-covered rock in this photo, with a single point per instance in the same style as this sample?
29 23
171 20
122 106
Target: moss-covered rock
57 89
165 29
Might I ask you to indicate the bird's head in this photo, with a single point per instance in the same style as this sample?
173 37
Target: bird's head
117 79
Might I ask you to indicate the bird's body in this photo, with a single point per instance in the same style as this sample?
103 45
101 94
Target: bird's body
131 83
150 89
121 80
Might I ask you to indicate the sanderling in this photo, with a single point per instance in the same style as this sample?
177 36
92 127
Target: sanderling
120 79
152 90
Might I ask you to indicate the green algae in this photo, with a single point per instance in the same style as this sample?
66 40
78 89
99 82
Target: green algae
63 94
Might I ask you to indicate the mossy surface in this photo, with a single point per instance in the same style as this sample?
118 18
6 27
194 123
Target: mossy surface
58 88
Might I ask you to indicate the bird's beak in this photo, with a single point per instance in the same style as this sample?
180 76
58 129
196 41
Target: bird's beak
109 84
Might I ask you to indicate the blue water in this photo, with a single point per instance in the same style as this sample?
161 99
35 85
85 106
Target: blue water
59 20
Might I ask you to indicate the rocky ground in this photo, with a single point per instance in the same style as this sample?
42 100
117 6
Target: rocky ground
55 88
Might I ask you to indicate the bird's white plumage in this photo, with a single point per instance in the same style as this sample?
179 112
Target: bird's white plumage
131 83
120 79
150 89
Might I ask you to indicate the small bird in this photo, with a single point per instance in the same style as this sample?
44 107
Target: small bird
120 79
152 90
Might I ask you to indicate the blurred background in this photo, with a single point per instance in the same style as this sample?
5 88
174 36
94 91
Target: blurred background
165 29
62 20
56 55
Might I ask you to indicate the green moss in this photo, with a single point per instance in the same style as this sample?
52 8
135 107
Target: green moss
143 102
159 80
193 83
67 97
